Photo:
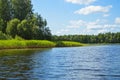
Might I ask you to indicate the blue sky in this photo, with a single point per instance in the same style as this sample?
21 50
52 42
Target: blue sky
80 16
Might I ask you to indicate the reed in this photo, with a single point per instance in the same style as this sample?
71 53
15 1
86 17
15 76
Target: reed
19 44
68 44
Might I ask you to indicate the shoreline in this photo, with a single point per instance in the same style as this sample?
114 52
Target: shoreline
41 44
36 44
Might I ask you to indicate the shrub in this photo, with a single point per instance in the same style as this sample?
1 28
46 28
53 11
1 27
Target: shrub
18 38
4 36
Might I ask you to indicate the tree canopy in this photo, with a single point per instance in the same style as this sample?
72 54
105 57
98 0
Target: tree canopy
17 18
100 38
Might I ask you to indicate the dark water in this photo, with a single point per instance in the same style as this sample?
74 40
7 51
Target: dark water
74 63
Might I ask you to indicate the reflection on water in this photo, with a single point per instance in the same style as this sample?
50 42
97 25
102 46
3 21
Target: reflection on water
16 64
78 63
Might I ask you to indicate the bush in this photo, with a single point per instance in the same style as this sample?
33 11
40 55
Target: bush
18 38
59 44
12 27
4 36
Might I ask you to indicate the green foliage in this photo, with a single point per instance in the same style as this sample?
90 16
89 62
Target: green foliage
59 44
25 30
18 44
5 13
1 25
100 38
18 38
5 10
21 44
47 33
4 36
11 44
39 43
41 29
17 18
71 43
68 44
21 8
12 27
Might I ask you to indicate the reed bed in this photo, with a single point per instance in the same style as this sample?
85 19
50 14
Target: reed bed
20 44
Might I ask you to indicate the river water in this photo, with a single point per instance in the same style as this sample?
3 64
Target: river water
68 63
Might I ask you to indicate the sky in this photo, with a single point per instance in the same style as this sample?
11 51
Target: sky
66 17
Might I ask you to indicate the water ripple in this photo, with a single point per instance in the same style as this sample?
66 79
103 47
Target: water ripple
74 63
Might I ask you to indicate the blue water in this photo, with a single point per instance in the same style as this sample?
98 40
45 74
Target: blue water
69 63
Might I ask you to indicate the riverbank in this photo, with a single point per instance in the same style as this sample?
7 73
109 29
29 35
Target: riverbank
21 44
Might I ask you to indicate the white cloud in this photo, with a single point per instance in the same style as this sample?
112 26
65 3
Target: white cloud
62 31
93 9
110 28
117 20
85 2
81 23
89 27
103 28
95 27
103 31
76 24
106 15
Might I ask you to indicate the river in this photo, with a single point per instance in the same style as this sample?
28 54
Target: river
68 63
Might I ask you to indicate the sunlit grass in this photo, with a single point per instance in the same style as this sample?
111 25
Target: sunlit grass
68 44
21 44
16 44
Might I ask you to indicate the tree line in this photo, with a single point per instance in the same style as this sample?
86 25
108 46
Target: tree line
100 38
18 19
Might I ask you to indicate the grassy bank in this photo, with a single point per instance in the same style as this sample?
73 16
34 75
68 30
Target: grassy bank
21 44
16 44
68 44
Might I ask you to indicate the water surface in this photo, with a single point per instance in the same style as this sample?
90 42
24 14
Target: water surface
74 63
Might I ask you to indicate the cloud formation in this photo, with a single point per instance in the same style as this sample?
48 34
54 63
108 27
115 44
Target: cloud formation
98 26
76 24
117 20
62 31
81 23
85 2
106 15
93 9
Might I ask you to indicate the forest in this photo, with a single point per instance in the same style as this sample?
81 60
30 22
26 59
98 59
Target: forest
18 20
100 38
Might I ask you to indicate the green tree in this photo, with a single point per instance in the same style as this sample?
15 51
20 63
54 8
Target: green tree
1 24
39 29
47 34
5 12
12 27
3 36
44 32
21 8
17 18
25 30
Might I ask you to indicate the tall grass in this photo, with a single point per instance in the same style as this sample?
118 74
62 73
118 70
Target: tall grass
39 43
68 44
17 44
21 44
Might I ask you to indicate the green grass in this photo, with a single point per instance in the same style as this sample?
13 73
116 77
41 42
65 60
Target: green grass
21 44
16 44
68 44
